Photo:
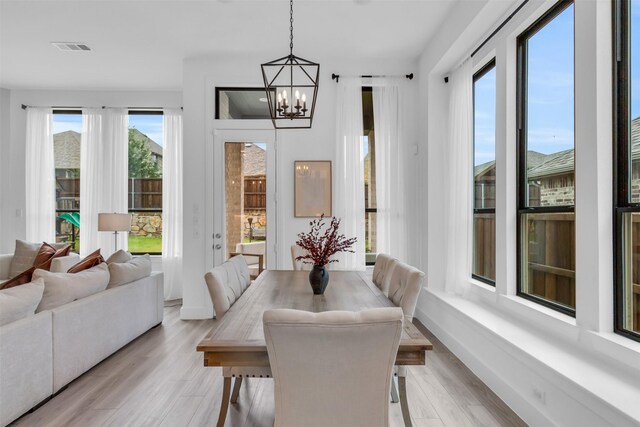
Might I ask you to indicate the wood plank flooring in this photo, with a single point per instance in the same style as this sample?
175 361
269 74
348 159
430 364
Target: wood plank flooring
159 380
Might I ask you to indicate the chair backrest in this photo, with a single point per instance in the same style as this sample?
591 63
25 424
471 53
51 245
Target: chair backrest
226 283
382 271
297 251
405 286
332 368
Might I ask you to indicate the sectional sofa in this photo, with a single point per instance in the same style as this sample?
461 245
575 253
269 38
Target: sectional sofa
42 353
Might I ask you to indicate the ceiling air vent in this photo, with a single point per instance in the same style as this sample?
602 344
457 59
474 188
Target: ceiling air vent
80 47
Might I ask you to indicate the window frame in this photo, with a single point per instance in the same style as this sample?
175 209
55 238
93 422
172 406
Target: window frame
236 89
366 209
622 168
522 148
490 65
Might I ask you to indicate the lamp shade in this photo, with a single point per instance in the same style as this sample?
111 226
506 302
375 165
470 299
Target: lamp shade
114 222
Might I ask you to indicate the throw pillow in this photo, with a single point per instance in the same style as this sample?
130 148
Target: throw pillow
25 254
119 256
46 264
20 279
91 260
63 288
127 272
20 302
45 252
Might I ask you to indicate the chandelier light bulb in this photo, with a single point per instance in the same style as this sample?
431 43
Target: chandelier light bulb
297 94
279 98
284 94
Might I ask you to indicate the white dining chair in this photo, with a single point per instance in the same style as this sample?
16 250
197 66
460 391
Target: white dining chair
226 283
382 271
297 251
405 285
312 357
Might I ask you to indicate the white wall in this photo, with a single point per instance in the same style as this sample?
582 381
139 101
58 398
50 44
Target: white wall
12 185
4 155
201 76
550 368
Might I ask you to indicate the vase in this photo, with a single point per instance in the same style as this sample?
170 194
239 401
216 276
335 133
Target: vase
318 279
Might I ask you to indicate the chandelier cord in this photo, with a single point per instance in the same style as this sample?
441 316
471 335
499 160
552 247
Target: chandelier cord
291 27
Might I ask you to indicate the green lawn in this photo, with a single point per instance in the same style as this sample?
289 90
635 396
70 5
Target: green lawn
145 244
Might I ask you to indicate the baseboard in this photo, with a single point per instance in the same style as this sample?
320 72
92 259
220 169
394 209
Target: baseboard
195 313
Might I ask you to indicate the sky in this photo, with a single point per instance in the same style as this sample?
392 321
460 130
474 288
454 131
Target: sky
149 125
484 129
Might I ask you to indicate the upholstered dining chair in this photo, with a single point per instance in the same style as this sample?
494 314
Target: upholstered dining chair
297 251
405 285
382 271
226 283
312 357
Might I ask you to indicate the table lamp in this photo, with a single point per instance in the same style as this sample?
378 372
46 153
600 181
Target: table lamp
114 222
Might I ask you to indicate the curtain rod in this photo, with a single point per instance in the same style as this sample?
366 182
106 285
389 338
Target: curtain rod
336 77
446 79
60 107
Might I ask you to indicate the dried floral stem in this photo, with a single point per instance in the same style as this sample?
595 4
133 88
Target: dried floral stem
321 247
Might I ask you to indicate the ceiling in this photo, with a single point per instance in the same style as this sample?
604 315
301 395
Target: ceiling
141 44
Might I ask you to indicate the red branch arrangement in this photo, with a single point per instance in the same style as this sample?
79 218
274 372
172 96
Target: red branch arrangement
320 247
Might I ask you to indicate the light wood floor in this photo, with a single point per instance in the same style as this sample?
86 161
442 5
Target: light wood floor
159 380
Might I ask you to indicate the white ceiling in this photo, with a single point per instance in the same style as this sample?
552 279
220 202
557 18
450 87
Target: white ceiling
140 44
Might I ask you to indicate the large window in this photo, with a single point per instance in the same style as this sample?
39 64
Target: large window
145 181
369 155
546 179
484 174
627 167
67 130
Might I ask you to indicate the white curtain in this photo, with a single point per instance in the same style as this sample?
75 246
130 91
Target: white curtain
391 228
349 173
459 179
172 204
91 170
115 164
40 176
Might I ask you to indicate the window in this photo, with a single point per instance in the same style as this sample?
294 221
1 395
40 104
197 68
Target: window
67 130
369 155
484 174
627 168
242 104
546 218
145 181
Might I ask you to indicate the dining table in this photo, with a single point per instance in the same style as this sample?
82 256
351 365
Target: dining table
237 340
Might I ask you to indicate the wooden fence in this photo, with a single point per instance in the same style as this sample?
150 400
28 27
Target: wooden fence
144 193
484 240
255 192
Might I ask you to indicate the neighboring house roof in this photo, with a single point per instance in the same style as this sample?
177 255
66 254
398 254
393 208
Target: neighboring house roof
67 150
555 164
484 167
534 159
254 162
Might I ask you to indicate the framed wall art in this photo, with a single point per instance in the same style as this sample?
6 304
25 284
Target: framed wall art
312 188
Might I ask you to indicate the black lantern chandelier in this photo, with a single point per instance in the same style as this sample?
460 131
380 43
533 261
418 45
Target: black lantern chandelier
291 84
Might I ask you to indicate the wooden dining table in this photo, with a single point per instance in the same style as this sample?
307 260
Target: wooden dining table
238 338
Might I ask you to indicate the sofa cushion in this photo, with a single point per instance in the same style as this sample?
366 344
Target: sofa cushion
20 279
91 260
25 254
45 258
63 288
127 272
19 302
120 256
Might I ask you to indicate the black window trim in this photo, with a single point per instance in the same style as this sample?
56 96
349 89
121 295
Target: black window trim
490 65
621 116
521 148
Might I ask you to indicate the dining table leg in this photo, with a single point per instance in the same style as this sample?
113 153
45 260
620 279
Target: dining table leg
224 405
404 404
236 389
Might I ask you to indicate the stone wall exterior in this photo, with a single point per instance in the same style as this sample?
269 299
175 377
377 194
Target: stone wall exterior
234 182
259 217
146 224
635 190
557 191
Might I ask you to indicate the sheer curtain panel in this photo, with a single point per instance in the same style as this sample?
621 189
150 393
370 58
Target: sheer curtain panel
40 183
458 193
391 228
172 204
349 174
91 173
115 163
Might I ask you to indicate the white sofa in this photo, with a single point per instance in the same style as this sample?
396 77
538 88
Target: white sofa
41 354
